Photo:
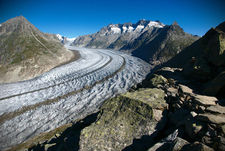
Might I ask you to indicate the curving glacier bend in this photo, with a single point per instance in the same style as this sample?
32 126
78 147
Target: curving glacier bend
73 90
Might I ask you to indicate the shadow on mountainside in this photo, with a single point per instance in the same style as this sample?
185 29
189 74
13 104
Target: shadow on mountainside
69 139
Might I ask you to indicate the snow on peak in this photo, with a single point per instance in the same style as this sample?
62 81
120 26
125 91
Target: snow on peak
124 29
130 29
140 27
155 24
115 30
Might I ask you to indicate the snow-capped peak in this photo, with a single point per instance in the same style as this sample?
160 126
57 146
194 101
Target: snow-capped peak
155 24
139 27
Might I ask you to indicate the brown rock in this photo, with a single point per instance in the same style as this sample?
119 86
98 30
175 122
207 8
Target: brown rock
185 89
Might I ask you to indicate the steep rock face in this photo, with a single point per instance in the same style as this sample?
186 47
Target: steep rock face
25 52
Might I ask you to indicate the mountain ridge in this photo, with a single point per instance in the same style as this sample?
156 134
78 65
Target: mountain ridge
151 41
26 52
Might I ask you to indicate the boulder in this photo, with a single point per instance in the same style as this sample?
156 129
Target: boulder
185 89
157 80
120 120
204 100
216 109
211 118
197 146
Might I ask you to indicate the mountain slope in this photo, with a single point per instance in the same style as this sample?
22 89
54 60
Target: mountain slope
160 45
211 47
25 52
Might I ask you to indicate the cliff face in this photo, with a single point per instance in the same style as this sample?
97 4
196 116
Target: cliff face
25 52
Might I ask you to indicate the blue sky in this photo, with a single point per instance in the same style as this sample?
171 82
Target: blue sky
79 17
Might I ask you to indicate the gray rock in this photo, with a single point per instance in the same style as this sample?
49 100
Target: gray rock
211 118
197 146
216 109
204 100
185 89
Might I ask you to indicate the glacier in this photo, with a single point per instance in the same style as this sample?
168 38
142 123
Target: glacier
77 88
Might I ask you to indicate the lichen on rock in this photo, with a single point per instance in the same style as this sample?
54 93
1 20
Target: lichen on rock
121 119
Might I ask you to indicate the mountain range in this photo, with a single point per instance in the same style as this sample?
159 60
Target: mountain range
151 41
26 52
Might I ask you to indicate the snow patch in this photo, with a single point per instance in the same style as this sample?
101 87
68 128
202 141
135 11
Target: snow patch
70 39
155 24
139 27
124 29
130 29
116 30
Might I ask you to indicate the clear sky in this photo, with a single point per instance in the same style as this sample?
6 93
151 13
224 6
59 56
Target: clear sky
72 18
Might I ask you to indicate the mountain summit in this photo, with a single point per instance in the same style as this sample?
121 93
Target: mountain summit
25 52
